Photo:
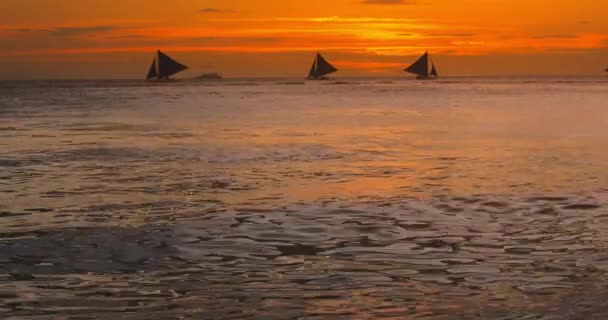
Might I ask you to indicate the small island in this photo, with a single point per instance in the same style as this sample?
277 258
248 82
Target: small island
209 76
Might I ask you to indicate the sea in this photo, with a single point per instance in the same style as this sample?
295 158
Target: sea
352 198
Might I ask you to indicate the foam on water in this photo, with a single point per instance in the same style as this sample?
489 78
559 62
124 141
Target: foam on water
356 199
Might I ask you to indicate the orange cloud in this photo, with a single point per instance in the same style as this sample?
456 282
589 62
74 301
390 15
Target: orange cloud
379 29
386 36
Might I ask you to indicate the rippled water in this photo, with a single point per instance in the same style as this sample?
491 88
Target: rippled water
282 199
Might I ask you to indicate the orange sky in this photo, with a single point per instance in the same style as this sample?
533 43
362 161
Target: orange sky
241 38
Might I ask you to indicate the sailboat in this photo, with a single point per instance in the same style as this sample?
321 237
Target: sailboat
421 68
320 68
163 67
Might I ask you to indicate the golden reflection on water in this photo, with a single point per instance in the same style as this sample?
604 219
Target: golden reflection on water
358 200
307 143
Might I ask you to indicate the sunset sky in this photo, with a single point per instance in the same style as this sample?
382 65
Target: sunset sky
274 38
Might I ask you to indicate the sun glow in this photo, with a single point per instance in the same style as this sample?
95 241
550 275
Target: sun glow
375 35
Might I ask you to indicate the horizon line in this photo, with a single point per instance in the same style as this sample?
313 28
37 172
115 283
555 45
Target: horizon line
404 77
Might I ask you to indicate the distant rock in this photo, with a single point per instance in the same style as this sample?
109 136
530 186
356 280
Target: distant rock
209 76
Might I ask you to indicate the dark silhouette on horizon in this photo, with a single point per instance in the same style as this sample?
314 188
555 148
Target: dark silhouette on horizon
421 68
163 67
209 76
320 68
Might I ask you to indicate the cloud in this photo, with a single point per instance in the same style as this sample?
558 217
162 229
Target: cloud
556 36
389 2
231 40
452 35
70 31
67 31
216 10
130 36
28 30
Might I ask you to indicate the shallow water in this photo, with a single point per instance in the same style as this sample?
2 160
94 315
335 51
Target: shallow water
364 198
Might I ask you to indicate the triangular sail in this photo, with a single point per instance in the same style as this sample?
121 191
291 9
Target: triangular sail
312 72
434 71
420 67
324 67
321 67
167 66
152 73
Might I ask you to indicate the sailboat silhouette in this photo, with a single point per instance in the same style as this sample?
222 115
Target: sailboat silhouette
421 68
163 67
320 68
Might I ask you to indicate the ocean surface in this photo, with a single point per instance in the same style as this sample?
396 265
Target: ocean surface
465 198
